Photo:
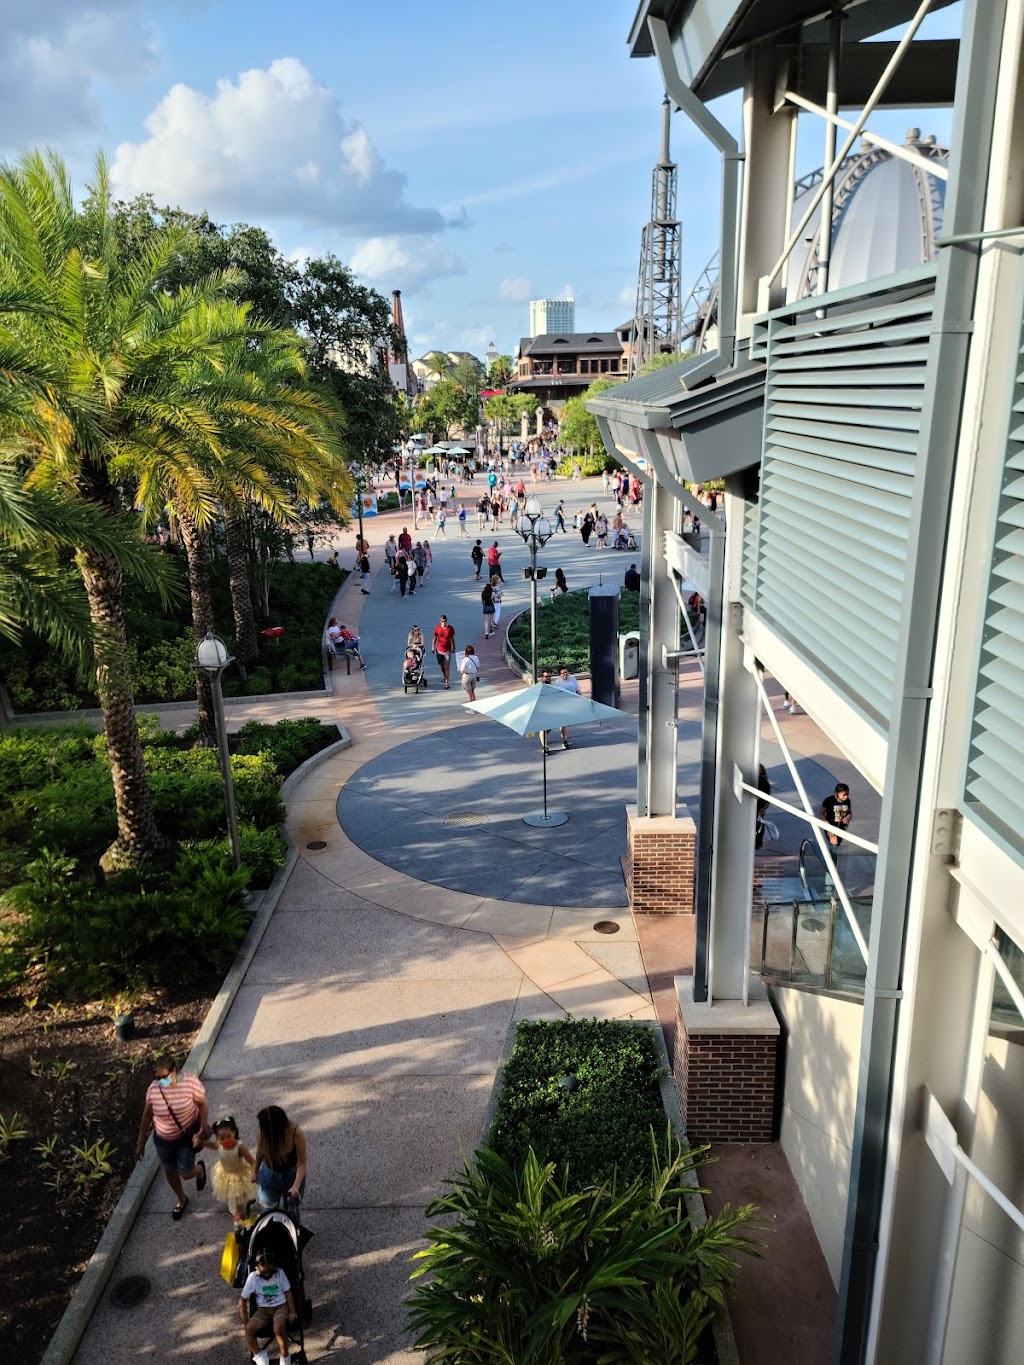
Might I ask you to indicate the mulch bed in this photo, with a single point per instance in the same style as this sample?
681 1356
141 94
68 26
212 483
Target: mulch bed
72 1084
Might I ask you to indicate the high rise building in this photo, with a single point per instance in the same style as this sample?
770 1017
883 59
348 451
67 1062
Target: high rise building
548 316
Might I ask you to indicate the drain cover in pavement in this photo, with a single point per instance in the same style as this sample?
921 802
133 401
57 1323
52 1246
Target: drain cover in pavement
606 926
317 843
130 1292
463 819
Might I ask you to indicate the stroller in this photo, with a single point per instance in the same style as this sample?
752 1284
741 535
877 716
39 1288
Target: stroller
279 1233
414 675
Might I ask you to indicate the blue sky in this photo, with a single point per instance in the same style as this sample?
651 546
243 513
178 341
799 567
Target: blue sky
473 156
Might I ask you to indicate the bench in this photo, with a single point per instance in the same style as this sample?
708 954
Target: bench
332 652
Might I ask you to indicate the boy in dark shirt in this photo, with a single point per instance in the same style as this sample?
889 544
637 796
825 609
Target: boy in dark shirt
836 810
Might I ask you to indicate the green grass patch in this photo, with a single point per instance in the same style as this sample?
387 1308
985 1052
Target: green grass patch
563 629
602 1124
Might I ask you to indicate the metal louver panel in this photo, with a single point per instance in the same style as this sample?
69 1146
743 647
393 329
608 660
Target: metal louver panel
749 562
994 791
827 554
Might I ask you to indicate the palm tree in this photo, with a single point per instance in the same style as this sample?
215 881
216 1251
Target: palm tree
439 364
95 354
242 429
38 589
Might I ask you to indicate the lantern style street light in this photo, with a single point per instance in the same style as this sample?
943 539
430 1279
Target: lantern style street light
535 530
212 658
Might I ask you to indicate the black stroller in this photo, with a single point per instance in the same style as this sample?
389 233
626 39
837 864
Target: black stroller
414 675
280 1234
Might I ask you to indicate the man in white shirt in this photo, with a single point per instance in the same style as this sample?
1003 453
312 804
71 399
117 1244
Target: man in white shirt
567 682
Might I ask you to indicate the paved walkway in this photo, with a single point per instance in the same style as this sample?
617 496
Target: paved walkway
378 1004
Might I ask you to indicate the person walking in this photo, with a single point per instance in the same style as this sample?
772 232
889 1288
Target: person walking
442 517
402 573
477 556
176 1110
586 529
463 532
837 811
364 569
496 596
419 558
405 541
567 682
280 1158
494 562
487 598
764 785
443 645
560 517
470 670
391 553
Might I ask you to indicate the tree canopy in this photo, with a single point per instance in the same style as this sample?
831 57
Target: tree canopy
578 427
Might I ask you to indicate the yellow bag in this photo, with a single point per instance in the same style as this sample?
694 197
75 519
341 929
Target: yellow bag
229 1258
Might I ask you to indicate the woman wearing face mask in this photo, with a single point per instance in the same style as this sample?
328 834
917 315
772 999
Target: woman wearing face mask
177 1112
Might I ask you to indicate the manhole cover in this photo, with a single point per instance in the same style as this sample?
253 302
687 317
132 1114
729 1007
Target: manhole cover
317 843
130 1292
606 926
463 819
815 925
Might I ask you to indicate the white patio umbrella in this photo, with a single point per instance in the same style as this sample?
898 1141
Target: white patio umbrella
543 707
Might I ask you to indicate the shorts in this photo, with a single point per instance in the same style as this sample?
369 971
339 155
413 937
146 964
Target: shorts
266 1319
177 1153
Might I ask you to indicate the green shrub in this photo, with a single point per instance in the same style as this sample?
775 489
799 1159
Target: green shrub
590 465
260 683
599 1126
139 930
288 743
162 644
525 1267
33 756
263 853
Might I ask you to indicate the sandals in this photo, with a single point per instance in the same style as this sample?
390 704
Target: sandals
178 1210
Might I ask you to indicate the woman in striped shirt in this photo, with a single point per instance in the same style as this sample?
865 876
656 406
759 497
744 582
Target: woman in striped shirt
177 1112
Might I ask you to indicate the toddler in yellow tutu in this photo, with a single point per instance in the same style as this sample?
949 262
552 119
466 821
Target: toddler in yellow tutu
232 1174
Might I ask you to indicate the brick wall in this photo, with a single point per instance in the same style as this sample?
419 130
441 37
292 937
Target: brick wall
726 1083
660 864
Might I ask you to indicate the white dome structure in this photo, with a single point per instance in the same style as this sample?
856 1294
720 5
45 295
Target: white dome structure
886 216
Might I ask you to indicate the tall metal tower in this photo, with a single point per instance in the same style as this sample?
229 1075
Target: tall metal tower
657 324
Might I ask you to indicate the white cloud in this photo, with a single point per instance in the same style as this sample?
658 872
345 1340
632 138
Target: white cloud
515 290
567 292
272 143
56 57
403 262
477 338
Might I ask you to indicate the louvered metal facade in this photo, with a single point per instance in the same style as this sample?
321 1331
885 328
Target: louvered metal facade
841 429
994 787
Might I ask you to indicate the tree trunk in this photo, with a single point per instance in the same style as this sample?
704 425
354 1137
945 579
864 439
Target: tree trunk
137 834
247 642
197 553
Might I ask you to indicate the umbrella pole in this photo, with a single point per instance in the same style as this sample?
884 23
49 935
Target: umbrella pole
544 766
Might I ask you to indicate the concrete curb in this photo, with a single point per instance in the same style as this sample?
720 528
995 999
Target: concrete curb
94 716
97 1273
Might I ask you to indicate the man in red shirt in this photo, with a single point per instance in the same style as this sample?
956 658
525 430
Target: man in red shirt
405 541
444 646
493 562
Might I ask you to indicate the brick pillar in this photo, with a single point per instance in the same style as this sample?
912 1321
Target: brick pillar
660 863
725 1064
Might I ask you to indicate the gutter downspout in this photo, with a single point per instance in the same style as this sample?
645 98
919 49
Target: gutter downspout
697 112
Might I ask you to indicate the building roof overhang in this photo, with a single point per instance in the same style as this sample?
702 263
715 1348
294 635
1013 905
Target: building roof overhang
709 37
690 435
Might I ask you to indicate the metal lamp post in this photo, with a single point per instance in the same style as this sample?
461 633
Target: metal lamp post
357 474
211 659
535 530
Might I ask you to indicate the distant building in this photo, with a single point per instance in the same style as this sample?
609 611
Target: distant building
559 366
492 355
552 315
425 373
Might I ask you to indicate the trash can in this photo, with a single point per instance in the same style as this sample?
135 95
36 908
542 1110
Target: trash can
604 632
629 654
